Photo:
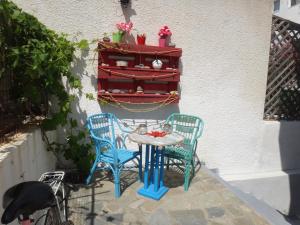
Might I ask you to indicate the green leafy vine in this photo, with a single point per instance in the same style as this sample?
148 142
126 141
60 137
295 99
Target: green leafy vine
37 60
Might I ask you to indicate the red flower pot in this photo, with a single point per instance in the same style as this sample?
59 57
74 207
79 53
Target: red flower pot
162 42
141 39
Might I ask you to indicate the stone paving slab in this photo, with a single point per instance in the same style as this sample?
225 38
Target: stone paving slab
207 202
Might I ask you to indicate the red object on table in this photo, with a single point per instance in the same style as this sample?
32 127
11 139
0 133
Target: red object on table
157 133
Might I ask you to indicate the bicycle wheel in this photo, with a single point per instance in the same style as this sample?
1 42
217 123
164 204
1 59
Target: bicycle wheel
56 215
62 206
52 217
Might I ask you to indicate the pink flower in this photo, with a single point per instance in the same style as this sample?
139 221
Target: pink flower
164 32
124 27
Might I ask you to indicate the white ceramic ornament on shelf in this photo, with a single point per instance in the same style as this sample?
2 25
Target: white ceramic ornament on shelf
157 64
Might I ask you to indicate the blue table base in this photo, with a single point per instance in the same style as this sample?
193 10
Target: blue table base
151 193
153 180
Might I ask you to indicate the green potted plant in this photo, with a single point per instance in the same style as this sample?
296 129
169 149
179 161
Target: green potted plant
122 29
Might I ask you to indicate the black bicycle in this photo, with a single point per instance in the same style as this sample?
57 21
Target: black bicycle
44 198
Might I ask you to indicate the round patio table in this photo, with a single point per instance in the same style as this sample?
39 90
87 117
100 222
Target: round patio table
154 179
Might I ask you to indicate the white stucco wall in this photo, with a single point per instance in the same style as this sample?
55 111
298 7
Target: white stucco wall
289 12
24 159
225 55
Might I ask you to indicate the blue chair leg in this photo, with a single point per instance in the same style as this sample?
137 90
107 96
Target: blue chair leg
88 179
116 173
140 164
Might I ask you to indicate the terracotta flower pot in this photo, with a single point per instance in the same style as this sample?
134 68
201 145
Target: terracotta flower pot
141 39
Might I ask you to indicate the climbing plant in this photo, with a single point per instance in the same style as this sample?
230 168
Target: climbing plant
37 60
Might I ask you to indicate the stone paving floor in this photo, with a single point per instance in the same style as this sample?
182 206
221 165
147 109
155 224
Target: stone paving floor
207 202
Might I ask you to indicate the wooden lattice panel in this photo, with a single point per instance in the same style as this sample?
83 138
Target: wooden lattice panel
282 71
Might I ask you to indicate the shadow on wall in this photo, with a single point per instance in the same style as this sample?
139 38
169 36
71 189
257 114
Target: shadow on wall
289 144
79 70
128 12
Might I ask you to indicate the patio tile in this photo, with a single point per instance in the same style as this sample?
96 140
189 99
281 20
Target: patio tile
214 212
207 202
234 210
190 217
150 205
160 216
136 204
243 220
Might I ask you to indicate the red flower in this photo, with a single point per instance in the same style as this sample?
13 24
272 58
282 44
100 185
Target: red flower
164 32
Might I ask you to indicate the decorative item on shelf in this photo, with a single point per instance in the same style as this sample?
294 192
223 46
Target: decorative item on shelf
139 66
173 92
103 64
102 91
141 39
163 34
105 37
122 29
117 36
116 91
171 44
130 91
139 90
157 64
122 63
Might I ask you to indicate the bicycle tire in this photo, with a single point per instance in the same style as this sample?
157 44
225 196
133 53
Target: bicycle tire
69 222
62 206
52 217
54 213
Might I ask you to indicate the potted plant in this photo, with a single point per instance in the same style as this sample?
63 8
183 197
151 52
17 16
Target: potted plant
106 37
163 34
141 39
122 29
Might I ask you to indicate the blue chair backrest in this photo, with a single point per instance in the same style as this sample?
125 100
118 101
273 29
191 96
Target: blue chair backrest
102 126
102 130
190 127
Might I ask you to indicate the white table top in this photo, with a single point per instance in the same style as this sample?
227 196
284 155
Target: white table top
169 139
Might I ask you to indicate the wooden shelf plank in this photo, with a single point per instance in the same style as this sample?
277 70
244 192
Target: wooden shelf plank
138 98
139 49
115 73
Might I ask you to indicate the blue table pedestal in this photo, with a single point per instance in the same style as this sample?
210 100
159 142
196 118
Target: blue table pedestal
154 179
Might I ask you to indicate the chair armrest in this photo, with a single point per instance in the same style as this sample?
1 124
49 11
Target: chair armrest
94 137
200 130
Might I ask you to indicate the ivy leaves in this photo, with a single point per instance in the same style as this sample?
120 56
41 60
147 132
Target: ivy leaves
37 60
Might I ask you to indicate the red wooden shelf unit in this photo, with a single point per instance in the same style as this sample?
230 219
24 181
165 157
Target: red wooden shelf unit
120 83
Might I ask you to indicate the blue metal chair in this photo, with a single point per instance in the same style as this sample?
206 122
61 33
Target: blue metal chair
110 148
191 128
